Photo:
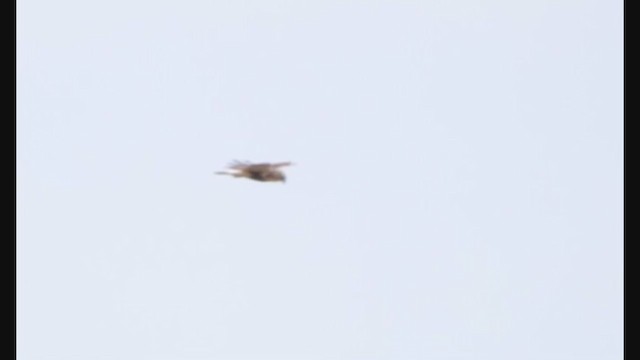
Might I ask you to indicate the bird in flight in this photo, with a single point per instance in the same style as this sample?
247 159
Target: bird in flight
258 172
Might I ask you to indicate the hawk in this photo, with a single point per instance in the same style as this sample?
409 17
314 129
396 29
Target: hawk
258 172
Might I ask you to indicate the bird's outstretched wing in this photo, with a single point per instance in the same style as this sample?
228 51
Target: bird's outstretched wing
258 172
281 164
239 165
246 165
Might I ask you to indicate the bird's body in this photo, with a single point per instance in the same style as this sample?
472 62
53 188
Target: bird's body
258 172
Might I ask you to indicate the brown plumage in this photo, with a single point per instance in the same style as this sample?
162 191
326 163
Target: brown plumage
258 172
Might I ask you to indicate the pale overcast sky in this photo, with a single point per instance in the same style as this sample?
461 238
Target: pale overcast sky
457 192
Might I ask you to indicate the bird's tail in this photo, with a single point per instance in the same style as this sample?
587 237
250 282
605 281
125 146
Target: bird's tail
227 173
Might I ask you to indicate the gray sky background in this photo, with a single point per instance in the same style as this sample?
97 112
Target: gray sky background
457 193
